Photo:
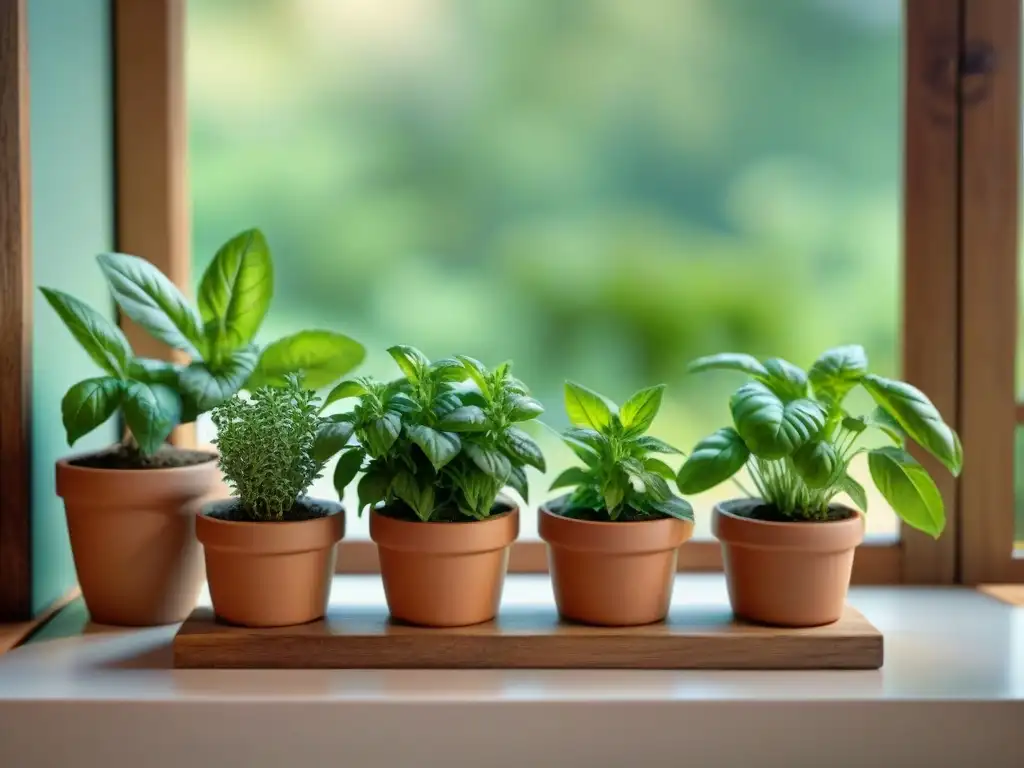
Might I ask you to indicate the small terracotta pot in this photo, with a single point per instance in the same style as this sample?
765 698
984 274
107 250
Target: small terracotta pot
444 574
787 574
133 539
610 573
269 574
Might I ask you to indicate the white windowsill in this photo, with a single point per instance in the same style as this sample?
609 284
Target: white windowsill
952 686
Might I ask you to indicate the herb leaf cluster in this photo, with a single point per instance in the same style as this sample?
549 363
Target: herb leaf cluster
441 441
266 447
217 335
621 478
791 430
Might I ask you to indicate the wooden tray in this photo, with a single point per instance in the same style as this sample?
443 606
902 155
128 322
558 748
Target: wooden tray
528 637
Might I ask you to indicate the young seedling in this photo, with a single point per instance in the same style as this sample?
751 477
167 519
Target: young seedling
793 434
621 478
437 444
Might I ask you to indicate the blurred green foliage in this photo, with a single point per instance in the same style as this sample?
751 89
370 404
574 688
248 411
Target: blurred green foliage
597 189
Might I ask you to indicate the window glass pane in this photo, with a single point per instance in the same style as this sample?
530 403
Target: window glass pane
598 190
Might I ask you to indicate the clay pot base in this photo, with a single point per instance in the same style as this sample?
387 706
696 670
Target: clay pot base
793 574
270 574
612 574
444 574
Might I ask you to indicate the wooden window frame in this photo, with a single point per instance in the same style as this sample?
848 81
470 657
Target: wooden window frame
152 221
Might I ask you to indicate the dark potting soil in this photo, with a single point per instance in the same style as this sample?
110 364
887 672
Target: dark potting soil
628 515
167 457
770 514
402 511
304 509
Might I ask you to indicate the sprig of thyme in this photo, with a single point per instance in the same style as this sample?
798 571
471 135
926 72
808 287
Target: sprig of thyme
266 447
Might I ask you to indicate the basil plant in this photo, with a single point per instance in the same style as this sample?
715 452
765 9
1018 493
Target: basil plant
437 444
217 336
621 478
797 440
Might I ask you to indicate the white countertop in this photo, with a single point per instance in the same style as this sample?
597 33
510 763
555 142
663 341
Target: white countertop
952 687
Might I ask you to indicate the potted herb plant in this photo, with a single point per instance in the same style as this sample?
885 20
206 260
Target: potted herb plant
613 541
270 550
788 550
131 508
436 454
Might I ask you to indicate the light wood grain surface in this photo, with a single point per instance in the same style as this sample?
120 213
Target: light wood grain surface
525 637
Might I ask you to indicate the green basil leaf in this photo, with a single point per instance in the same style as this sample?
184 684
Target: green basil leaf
881 420
586 454
855 424
207 387
613 491
380 434
770 428
588 437
855 491
332 437
659 467
655 487
399 402
478 373
88 404
728 361
786 380
101 339
837 371
373 487
638 412
919 418
523 448
572 477
151 412
445 404
348 466
151 371
514 385
320 357
145 295
447 369
420 498
674 507
587 408
490 461
350 388
524 408
654 445
438 447
519 483
468 418
412 362
235 291
908 488
816 462
714 459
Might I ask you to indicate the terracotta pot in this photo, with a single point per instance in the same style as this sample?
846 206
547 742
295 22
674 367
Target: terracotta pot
444 574
133 539
610 573
269 574
787 574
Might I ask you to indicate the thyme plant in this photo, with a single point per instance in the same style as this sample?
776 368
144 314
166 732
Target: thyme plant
266 447
796 438
621 478
439 443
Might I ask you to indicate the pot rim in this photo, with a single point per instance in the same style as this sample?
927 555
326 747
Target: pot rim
264 537
612 537
446 538
65 465
802 535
